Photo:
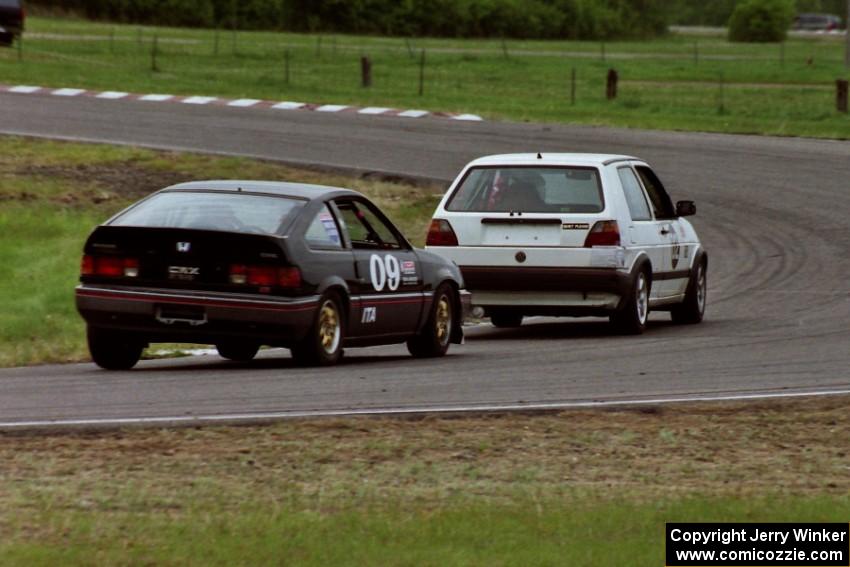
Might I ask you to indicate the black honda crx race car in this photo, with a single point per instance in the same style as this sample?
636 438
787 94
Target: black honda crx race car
240 264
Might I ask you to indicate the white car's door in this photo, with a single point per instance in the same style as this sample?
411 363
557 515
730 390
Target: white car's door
672 279
643 232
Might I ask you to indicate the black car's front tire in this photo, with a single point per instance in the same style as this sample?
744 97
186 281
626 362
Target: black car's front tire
322 346
114 350
434 338
236 351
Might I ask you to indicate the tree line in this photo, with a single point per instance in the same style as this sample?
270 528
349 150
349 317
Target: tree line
544 19
518 19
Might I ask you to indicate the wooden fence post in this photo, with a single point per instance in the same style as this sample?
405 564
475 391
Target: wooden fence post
422 73
573 87
154 50
611 85
366 71
841 95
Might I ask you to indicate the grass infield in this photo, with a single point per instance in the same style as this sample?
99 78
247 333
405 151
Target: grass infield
676 83
572 488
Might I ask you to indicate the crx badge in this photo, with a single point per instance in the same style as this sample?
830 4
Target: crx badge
184 246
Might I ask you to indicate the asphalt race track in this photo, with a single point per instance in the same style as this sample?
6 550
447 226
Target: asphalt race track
773 214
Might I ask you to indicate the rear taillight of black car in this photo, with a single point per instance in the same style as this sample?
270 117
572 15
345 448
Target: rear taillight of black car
265 277
109 266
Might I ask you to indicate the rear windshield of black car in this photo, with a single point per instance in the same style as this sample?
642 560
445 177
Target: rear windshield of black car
213 210
529 190
10 3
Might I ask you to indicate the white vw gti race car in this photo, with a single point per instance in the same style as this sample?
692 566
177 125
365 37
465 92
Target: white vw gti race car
571 235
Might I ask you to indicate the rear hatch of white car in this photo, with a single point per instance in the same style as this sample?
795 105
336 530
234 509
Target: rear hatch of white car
525 217
526 206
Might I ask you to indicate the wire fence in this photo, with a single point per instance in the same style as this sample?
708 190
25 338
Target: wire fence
797 80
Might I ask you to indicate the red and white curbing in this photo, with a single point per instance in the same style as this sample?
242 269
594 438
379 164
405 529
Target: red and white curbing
236 103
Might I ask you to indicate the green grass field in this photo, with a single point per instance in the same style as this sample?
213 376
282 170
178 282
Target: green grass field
52 194
672 83
577 488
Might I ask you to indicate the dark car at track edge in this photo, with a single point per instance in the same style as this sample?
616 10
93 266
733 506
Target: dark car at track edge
12 17
240 264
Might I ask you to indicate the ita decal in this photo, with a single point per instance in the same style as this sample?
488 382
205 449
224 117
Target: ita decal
370 315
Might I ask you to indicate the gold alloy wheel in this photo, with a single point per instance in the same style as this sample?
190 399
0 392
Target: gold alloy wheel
443 319
329 327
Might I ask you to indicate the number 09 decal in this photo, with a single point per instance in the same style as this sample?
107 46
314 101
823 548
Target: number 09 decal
385 272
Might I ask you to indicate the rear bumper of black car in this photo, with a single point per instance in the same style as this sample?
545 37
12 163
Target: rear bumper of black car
11 28
161 315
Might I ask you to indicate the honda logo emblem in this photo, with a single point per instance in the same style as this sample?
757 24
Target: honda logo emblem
184 246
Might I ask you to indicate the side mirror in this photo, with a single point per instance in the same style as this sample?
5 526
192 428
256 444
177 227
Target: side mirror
685 209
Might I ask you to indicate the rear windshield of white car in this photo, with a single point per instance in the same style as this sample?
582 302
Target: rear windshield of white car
529 190
230 212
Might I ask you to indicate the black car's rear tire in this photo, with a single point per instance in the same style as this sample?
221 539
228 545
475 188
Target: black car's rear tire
322 346
505 319
238 351
6 39
631 318
114 350
692 309
434 338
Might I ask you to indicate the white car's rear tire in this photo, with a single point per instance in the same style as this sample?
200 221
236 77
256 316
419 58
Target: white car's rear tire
631 318
238 351
505 319
692 309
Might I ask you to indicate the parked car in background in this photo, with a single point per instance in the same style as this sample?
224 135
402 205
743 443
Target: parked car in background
571 235
240 264
11 21
816 22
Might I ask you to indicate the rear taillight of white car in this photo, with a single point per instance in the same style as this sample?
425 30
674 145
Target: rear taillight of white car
109 266
603 233
441 233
